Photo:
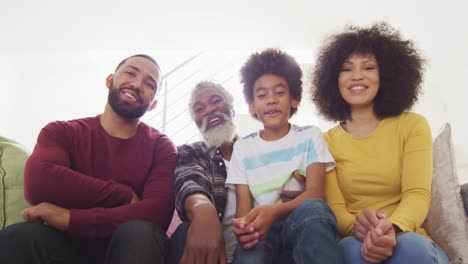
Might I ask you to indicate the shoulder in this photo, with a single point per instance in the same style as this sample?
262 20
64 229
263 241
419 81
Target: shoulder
72 126
307 132
195 148
156 138
247 139
332 134
409 122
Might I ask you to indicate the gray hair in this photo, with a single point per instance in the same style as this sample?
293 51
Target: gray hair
220 90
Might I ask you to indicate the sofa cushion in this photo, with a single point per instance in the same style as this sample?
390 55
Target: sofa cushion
12 202
446 222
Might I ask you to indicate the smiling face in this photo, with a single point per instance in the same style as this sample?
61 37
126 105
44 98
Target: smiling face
213 117
132 87
359 80
272 102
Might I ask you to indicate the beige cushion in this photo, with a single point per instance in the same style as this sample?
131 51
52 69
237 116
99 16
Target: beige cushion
447 222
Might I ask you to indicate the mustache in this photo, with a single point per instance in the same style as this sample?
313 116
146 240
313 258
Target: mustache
218 114
133 90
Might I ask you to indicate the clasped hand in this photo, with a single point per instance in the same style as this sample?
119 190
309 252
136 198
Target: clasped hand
254 227
377 235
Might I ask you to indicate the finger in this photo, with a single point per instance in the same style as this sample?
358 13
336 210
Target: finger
371 216
237 222
25 214
248 238
289 194
362 220
381 215
183 259
367 253
373 250
200 258
250 244
222 256
250 216
383 227
299 177
359 230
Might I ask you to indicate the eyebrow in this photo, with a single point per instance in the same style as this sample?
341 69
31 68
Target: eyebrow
276 85
138 69
365 60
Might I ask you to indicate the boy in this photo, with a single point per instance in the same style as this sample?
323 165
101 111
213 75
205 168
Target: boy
261 166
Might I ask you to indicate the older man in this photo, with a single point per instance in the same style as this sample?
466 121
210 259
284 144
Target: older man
203 202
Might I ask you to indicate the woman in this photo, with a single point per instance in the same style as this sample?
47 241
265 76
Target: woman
367 79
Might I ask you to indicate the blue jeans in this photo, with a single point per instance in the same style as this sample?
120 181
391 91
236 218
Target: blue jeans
411 248
308 235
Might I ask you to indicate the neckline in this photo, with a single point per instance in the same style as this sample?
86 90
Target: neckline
362 137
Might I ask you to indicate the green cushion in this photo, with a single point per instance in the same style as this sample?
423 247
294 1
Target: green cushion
12 202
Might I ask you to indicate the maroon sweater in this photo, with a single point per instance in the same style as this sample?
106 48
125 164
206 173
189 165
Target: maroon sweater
77 165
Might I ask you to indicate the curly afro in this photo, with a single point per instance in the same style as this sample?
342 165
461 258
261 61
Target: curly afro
400 70
272 61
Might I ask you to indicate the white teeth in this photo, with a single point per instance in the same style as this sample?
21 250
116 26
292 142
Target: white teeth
214 120
357 88
130 96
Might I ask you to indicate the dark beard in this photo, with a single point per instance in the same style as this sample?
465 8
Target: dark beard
121 108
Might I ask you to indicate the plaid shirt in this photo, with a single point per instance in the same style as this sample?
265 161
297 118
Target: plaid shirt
200 170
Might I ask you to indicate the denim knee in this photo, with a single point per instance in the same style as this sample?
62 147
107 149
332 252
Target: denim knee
351 249
312 209
412 247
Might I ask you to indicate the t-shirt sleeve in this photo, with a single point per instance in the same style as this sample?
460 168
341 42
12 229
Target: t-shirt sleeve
236 173
318 151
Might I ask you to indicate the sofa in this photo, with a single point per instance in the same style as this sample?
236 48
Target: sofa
446 223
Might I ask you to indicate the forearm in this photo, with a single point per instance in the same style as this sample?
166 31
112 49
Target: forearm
412 210
102 222
284 209
244 200
199 205
46 180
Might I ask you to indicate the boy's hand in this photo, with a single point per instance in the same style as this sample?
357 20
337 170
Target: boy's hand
287 195
247 237
260 219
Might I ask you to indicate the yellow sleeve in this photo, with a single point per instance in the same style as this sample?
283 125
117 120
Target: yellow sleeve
416 175
337 203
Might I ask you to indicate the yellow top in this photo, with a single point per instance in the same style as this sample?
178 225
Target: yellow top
389 170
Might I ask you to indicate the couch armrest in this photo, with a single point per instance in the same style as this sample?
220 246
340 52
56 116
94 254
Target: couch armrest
464 194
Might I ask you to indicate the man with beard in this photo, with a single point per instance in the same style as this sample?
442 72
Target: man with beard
101 187
205 205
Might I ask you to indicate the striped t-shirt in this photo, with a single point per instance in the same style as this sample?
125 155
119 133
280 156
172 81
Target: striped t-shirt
267 165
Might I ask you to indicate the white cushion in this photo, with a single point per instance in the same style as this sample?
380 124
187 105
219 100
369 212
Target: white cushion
447 222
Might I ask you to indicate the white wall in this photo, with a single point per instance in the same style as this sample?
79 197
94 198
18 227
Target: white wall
55 55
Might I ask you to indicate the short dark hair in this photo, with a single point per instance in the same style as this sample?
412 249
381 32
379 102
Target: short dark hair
400 70
148 57
276 62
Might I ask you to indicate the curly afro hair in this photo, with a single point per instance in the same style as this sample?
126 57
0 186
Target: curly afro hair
400 71
272 61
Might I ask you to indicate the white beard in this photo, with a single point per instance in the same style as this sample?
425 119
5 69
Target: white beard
218 135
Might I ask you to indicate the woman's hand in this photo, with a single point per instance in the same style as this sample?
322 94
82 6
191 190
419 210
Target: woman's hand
379 242
365 221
